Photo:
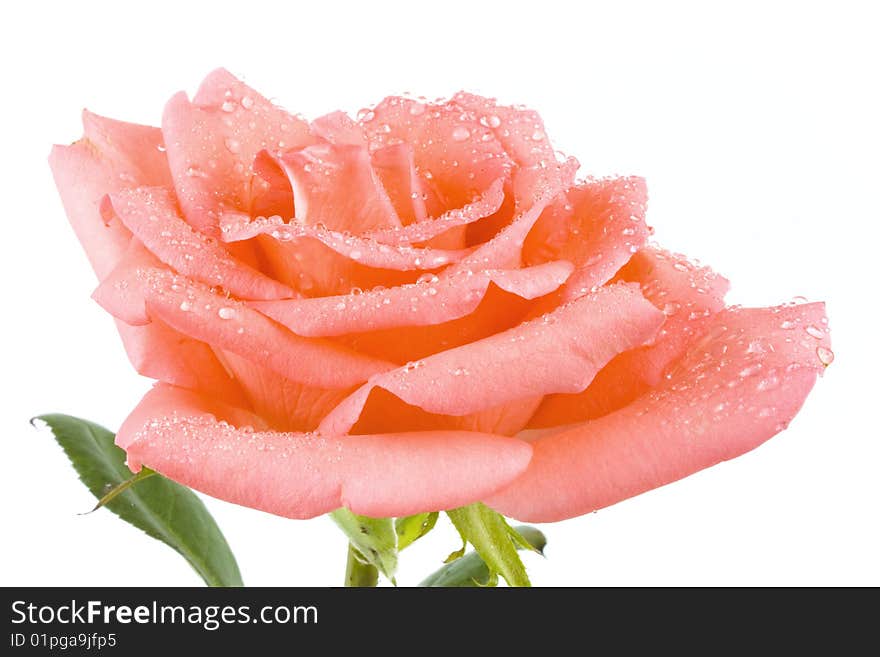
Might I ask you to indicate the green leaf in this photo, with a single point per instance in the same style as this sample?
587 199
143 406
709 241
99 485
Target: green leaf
160 507
412 528
374 539
491 537
471 570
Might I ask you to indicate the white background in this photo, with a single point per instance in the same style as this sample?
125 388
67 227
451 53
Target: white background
756 126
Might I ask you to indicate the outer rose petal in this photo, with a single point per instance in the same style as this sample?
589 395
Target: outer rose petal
228 324
739 385
434 300
520 130
688 295
159 352
559 352
151 214
212 143
110 157
301 475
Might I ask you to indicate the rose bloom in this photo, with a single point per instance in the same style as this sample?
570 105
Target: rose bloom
412 311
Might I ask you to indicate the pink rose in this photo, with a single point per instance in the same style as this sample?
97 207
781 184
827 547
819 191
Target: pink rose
412 311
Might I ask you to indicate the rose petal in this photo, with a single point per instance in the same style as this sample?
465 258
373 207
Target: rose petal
224 323
151 215
335 186
110 157
283 404
451 150
560 352
520 131
739 385
687 294
301 475
338 128
395 166
363 250
533 190
212 143
433 300
597 225
485 204
159 352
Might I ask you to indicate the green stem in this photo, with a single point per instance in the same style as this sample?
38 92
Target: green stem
357 572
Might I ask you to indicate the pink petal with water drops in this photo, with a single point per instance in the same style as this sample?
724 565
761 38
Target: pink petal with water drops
111 156
151 214
431 300
687 294
520 130
487 203
737 386
363 250
200 444
212 142
339 128
560 352
395 166
534 190
200 313
335 186
124 291
597 225
451 150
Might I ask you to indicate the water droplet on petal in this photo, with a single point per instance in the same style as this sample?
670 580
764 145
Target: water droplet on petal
226 312
826 356
460 133
247 102
537 135
228 106
787 325
185 306
814 332
232 145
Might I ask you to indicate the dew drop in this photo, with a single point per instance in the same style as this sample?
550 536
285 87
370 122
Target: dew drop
769 383
232 145
750 370
814 332
826 356
228 106
226 312
366 115
671 308
537 135
356 255
185 306
247 102
787 325
460 133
